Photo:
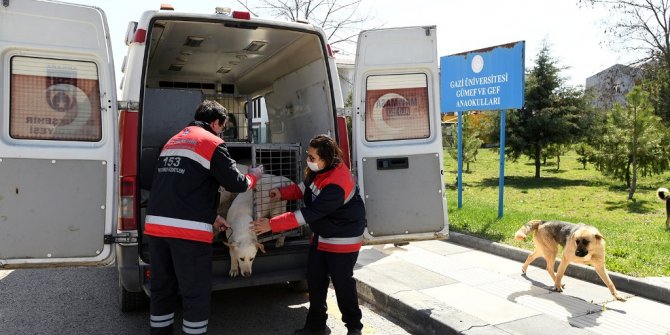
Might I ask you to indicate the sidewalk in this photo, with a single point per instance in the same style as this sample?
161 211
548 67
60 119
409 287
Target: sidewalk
473 286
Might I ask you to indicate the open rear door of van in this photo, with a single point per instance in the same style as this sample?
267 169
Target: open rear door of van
58 135
397 135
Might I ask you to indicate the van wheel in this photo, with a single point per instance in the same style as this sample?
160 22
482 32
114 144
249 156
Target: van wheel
131 301
298 285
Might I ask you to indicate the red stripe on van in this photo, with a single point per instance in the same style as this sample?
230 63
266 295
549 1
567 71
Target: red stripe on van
343 138
128 169
128 142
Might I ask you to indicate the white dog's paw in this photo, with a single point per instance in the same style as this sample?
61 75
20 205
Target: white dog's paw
234 270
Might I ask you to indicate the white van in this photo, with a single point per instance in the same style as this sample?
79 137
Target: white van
76 161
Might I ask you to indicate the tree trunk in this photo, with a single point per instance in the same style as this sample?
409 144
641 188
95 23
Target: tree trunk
467 167
628 175
558 163
633 184
538 158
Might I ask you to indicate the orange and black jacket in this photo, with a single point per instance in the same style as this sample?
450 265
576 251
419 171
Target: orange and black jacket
333 210
184 193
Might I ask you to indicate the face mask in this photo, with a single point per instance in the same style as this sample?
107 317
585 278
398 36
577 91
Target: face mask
313 166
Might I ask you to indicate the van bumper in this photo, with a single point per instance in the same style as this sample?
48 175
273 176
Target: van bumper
278 265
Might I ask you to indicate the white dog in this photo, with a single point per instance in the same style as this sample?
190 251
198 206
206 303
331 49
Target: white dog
242 242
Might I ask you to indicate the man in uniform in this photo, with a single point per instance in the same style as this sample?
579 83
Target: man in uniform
181 218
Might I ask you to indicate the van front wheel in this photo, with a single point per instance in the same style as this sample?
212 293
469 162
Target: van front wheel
131 301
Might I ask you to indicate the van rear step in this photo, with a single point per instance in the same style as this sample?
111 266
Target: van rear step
277 276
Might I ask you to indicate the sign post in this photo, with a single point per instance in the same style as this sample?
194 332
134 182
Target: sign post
485 79
501 180
460 160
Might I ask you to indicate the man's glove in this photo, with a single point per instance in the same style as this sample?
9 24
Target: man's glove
256 171
254 175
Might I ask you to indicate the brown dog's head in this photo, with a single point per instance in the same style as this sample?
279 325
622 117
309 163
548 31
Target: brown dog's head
586 239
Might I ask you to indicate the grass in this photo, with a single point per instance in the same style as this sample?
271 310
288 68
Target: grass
637 242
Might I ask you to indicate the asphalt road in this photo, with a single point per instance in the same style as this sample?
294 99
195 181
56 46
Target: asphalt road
84 301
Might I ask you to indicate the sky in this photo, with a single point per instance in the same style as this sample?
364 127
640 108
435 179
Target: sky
575 35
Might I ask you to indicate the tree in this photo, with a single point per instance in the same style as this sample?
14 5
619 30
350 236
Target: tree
471 142
585 153
642 27
657 82
634 141
553 113
341 20
557 150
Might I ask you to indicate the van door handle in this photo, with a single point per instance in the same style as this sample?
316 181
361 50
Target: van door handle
394 163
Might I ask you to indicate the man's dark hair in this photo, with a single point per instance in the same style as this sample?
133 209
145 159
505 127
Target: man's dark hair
209 111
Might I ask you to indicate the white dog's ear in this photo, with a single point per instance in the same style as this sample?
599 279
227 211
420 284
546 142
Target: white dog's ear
231 245
260 247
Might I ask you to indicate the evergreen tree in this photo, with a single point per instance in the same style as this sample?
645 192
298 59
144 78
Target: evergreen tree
657 82
553 114
634 141
585 153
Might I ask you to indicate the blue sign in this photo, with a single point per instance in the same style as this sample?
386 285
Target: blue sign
486 79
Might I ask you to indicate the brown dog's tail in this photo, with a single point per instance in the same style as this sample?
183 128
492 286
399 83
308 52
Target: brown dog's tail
526 229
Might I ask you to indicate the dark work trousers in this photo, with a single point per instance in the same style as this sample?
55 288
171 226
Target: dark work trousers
180 266
340 267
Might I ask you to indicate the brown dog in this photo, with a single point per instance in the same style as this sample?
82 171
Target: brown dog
581 244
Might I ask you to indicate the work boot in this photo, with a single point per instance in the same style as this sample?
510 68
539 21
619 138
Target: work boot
354 332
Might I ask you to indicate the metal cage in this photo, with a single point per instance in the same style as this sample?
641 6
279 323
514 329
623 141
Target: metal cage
282 165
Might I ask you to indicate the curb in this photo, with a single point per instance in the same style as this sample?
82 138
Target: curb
419 322
622 282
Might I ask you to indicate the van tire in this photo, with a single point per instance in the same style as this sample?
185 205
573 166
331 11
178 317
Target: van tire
132 301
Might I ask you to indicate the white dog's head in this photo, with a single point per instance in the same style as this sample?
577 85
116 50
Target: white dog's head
244 254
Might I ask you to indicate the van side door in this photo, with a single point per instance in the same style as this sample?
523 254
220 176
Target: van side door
397 134
57 135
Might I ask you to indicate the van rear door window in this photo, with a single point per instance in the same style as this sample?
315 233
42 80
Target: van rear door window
54 99
396 107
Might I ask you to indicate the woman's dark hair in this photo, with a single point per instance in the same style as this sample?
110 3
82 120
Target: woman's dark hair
209 111
328 151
